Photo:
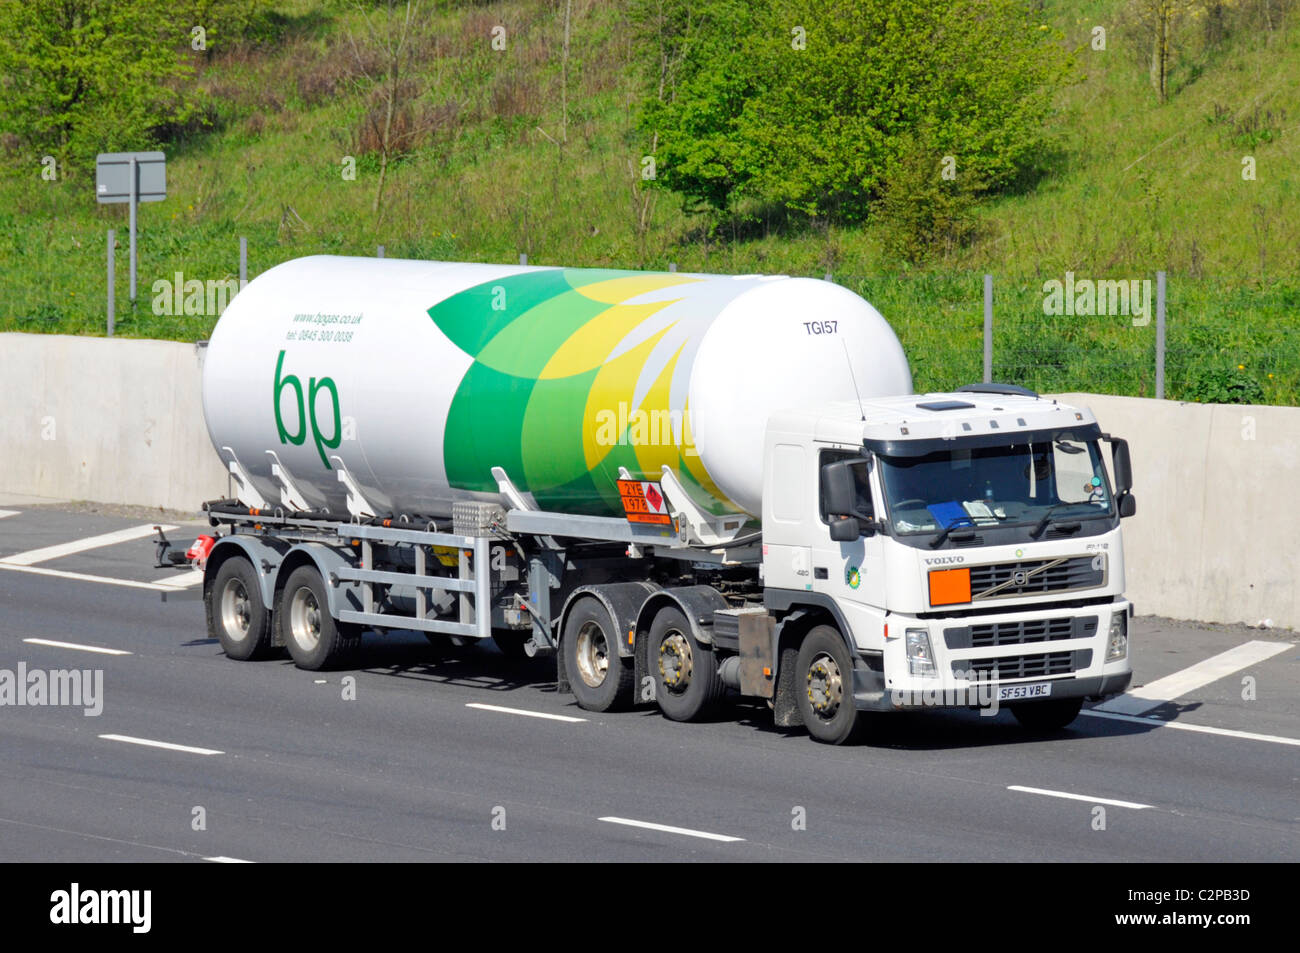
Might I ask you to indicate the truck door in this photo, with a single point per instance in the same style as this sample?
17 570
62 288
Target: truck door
850 570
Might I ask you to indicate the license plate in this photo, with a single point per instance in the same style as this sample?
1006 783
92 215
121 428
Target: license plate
1011 693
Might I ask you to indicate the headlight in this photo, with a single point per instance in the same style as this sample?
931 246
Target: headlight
920 660
1117 642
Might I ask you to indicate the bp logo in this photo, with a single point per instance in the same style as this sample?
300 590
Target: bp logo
853 577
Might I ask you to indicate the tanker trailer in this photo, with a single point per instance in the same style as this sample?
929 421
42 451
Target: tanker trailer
647 475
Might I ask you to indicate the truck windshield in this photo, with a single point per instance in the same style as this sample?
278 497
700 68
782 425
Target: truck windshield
1060 477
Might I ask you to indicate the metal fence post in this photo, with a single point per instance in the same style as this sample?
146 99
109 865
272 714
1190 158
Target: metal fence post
243 262
672 266
380 253
523 258
135 197
1160 335
988 329
111 237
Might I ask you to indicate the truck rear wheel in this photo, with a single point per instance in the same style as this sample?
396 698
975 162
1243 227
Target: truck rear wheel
237 617
1049 715
314 638
824 686
600 679
687 684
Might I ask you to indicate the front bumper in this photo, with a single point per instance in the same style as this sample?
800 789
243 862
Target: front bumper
969 672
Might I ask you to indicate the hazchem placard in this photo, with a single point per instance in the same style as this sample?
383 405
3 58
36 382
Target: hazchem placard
644 502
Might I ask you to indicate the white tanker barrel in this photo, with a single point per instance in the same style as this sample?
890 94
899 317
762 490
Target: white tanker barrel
419 377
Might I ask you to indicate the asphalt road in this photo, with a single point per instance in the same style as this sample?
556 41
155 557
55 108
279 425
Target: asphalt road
407 770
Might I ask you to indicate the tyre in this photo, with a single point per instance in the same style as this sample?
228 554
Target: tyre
599 678
824 686
687 685
314 638
237 617
1047 716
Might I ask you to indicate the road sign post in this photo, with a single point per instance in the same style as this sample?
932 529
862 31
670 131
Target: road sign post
111 302
132 177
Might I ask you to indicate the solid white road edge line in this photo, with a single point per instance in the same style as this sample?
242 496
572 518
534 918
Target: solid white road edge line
1078 797
81 545
520 711
1193 677
1204 729
226 860
74 645
670 830
160 744
4 513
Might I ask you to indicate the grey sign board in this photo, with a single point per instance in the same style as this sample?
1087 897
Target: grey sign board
113 176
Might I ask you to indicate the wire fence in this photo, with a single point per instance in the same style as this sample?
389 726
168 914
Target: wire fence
1226 338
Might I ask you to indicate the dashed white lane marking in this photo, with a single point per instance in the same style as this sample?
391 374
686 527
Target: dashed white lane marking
160 744
85 577
1079 797
521 711
1193 677
1204 729
4 513
46 553
226 860
73 645
182 581
628 822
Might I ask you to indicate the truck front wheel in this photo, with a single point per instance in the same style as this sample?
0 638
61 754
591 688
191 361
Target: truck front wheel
824 686
600 679
236 616
314 638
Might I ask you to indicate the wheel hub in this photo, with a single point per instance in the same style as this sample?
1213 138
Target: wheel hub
676 664
825 686
305 619
593 654
236 612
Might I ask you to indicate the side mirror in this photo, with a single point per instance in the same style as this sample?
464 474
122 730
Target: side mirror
839 492
845 530
1127 505
1123 466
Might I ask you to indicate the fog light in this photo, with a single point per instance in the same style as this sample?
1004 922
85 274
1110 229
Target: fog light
920 660
1117 642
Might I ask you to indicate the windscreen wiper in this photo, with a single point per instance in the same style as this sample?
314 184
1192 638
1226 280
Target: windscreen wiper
966 532
1047 517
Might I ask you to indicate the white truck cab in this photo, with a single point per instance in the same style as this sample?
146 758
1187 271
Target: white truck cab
967 546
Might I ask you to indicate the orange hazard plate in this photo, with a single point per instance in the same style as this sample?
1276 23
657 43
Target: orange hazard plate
643 502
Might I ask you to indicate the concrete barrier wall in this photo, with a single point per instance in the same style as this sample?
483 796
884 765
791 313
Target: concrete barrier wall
1216 537
105 419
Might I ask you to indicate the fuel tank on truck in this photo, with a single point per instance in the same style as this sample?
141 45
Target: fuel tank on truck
419 377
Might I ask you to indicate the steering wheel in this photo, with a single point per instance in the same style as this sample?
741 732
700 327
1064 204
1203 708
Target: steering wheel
902 504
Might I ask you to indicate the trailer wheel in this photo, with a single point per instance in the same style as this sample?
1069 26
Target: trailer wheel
600 679
824 686
314 638
236 616
1049 715
687 684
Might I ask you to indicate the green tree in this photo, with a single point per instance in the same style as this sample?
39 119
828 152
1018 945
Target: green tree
812 104
83 76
